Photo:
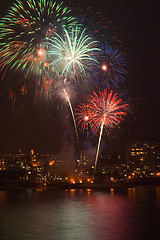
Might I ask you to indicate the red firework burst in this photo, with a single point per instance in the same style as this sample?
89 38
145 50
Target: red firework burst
104 108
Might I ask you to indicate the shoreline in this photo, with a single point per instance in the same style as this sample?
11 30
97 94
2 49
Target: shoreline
66 186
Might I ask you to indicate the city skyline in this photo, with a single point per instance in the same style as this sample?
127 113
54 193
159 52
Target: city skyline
141 163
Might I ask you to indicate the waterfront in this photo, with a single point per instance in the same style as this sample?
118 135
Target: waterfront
129 213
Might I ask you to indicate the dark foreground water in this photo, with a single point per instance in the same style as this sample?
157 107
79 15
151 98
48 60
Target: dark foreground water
131 214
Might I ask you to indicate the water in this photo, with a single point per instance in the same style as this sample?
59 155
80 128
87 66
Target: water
131 214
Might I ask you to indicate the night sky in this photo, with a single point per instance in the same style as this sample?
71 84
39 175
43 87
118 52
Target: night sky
35 124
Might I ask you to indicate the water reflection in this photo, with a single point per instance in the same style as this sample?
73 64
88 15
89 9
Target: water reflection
158 195
80 214
112 191
132 194
2 197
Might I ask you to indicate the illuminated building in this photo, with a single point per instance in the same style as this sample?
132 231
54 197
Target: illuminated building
143 157
33 156
13 165
13 160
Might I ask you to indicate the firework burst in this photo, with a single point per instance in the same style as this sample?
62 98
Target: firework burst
106 107
111 68
83 117
72 52
24 29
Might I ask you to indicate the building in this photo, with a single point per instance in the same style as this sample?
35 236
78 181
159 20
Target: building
143 158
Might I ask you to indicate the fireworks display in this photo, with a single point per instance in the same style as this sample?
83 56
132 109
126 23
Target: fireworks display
71 54
44 40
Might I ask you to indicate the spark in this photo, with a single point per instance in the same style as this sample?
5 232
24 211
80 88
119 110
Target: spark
104 67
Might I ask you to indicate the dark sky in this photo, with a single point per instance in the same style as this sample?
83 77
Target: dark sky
36 125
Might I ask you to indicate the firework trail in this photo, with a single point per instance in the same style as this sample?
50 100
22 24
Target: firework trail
72 112
103 109
99 143
23 32
64 89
